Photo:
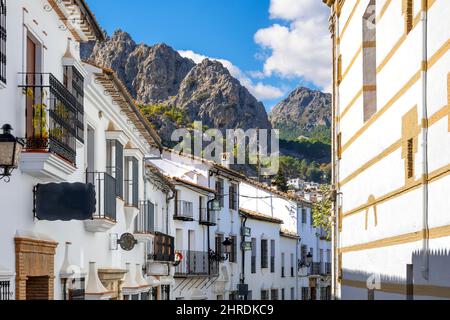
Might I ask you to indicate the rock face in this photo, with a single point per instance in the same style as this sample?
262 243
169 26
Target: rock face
160 75
302 112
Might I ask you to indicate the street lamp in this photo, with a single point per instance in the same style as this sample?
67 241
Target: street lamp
10 151
309 259
214 256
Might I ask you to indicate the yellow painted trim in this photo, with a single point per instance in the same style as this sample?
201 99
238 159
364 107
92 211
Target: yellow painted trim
378 115
433 60
435 233
399 288
410 186
348 20
349 106
352 62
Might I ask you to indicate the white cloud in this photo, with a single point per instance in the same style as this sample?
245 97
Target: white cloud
301 49
260 90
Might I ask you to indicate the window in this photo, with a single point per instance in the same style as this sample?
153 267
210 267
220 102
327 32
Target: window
407 9
304 216
264 254
410 158
304 253
283 275
219 244
74 82
131 182
292 265
3 41
283 296
305 293
233 197
4 287
220 191
274 294
292 293
369 54
264 294
165 292
233 255
233 296
253 262
272 256
114 164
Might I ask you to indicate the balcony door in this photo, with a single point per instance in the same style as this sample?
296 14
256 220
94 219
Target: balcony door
31 82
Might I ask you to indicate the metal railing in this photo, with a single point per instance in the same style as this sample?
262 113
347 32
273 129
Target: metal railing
184 210
4 290
210 220
315 268
145 220
105 193
196 263
51 115
163 248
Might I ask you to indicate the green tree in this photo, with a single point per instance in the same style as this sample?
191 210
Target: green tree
322 211
280 182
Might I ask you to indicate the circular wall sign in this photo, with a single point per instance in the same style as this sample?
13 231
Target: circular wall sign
127 242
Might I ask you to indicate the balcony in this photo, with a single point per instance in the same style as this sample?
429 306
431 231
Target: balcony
51 127
145 220
163 248
184 211
206 220
105 189
196 264
315 269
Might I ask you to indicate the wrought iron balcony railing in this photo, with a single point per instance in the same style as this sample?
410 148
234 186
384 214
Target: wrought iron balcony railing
196 263
145 220
105 192
184 211
51 115
315 268
163 248
208 220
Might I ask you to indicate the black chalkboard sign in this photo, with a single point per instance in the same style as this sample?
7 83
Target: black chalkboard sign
64 201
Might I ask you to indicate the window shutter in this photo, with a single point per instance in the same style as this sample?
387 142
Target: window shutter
408 11
150 217
3 41
135 165
119 169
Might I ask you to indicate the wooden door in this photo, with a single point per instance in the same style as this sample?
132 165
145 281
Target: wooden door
30 82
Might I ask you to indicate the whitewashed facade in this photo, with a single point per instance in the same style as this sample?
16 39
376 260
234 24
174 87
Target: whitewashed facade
391 148
81 130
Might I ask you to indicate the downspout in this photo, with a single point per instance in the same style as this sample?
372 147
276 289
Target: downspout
426 231
334 25
243 226
297 248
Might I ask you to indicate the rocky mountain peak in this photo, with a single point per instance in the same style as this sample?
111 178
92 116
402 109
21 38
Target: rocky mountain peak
303 112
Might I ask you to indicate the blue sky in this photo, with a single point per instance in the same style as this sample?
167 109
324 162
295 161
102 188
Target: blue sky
247 35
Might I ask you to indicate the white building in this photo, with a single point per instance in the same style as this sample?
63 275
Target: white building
391 150
59 239
312 278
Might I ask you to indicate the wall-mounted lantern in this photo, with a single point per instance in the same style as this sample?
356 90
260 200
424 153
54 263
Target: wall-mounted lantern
10 151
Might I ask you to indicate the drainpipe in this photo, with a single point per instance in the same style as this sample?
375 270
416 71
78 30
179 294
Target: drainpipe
334 25
425 248
243 226
297 248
